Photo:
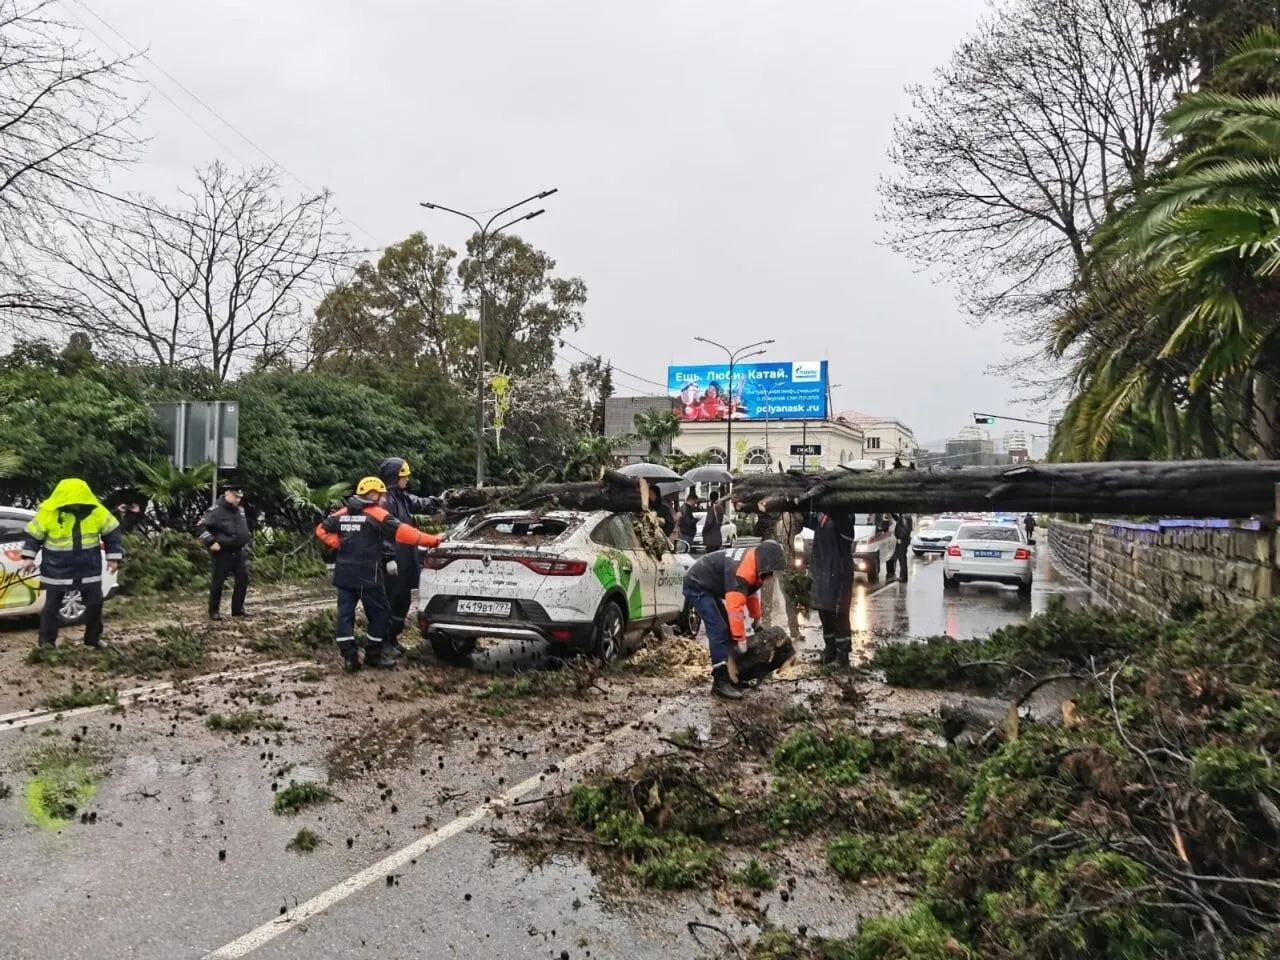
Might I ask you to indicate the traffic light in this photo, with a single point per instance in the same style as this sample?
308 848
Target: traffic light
983 418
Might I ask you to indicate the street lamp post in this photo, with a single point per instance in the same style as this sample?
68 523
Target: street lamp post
734 356
488 232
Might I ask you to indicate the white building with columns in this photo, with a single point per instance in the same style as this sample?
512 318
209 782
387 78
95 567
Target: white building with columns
760 445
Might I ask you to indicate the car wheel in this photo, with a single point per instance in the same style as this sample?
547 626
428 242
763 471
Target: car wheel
1024 589
72 611
690 621
950 584
611 626
918 553
455 650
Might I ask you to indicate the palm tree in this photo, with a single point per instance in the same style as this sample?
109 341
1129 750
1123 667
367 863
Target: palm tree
171 489
1208 236
592 456
314 501
659 429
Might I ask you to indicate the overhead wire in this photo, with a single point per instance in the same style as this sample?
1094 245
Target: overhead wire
134 50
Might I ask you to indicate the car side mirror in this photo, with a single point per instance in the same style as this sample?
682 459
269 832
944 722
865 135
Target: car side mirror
680 546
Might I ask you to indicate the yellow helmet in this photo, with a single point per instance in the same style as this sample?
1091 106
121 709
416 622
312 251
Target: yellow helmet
404 468
370 485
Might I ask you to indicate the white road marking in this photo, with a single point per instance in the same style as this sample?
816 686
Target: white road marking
29 718
254 939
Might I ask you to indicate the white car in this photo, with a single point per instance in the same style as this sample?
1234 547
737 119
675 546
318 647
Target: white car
995 553
872 550
935 537
581 581
21 595
728 531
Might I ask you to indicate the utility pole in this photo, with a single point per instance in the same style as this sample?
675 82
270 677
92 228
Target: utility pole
487 233
734 357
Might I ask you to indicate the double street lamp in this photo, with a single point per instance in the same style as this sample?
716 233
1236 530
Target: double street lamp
735 356
487 232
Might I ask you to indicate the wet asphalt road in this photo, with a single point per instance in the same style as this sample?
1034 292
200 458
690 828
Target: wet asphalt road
186 859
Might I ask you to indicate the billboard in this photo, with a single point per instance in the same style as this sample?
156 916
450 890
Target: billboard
760 391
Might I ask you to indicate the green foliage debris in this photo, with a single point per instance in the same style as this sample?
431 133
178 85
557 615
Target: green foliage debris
62 779
78 696
304 841
299 796
242 721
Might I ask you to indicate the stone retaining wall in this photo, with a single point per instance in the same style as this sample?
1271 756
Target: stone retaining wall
1151 567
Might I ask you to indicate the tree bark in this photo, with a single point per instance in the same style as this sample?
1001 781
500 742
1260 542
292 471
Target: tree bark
1180 488
1195 488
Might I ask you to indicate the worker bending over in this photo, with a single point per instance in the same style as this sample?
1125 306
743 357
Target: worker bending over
724 587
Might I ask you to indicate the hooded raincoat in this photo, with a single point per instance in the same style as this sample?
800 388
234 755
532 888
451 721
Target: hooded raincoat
70 531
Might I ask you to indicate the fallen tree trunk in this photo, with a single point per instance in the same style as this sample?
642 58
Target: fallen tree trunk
1192 488
613 491
1203 488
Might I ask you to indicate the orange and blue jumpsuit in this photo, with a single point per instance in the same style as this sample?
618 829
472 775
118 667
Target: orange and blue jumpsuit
729 578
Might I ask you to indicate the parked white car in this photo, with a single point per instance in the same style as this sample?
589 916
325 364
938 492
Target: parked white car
935 537
994 553
21 595
581 581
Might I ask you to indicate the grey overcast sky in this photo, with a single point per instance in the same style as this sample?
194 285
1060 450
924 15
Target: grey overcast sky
717 159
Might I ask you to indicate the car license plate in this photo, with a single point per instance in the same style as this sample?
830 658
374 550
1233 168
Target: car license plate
484 608
994 554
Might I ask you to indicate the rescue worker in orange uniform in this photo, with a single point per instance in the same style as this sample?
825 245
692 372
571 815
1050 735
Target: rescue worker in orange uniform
724 587
357 532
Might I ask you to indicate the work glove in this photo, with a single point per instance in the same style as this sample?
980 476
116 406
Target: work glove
740 646
756 626
392 568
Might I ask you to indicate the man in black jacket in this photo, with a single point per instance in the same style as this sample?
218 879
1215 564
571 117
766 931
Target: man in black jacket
688 522
358 532
225 533
831 581
402 561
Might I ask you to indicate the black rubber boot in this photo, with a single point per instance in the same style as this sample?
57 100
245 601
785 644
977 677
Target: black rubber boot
350 655
844 647
377 655
723 687
828 650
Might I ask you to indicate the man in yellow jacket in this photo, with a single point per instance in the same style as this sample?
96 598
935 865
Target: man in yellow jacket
71 531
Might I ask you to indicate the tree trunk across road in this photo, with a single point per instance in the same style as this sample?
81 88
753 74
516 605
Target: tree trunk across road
1194 488
1186 488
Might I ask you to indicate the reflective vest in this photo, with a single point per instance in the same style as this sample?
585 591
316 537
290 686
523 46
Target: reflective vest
70 531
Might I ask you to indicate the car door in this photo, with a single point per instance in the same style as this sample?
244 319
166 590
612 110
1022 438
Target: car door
644 571
616 567
18 593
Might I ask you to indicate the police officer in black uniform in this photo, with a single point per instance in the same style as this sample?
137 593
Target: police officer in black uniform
224 531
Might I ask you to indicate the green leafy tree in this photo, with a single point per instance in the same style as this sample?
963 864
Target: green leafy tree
528 309
88 423
1196 36
401 311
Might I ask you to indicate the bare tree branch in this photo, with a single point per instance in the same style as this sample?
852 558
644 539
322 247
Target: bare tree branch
66 118
225 280
1043 120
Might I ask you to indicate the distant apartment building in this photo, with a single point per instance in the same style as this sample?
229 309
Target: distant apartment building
1015 440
